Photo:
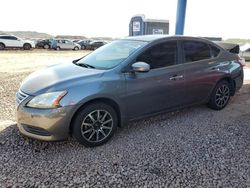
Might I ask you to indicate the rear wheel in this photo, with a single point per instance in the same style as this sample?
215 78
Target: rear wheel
2 46
220 96
95 124
26 46
58 48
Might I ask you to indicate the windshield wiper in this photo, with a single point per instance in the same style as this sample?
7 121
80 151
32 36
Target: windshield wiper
84 65
76 60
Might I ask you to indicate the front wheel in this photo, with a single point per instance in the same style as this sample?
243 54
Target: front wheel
220 96
76 48
95 124
26 46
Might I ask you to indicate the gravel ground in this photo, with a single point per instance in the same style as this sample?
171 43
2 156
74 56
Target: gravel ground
194 147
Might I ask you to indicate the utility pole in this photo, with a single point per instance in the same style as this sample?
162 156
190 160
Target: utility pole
180 17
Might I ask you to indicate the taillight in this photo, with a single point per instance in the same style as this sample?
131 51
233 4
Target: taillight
242 61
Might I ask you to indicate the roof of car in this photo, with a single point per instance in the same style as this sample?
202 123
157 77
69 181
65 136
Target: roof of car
150 38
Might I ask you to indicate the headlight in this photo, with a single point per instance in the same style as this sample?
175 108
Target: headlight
47 100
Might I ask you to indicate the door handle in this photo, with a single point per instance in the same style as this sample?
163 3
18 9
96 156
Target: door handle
176 77
215 69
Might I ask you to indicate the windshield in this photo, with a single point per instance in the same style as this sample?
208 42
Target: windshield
112 54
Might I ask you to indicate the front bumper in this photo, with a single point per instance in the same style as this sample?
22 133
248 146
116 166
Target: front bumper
44 124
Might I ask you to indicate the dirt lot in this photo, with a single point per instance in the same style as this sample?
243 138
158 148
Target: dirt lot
194 147
15 65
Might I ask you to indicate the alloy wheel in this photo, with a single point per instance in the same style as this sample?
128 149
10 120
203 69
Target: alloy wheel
97 125
222 95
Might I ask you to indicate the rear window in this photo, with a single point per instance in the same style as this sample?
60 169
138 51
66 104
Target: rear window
196 51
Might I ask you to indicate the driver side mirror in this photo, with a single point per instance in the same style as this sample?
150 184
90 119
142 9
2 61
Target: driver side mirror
140 67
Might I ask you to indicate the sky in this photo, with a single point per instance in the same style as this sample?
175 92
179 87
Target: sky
110 18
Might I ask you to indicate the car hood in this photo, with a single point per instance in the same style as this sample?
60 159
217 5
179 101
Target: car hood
44 80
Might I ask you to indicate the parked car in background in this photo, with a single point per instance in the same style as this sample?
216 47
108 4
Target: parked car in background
125 80
245 51
95 44
63 44
76 40
46 44
11 41
84 43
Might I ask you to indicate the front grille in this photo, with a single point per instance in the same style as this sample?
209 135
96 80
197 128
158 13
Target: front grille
36 130
20 97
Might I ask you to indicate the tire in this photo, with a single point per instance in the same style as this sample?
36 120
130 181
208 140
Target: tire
91 130
46 46
83 47
76 48
58 48
220 96
2 46
26 46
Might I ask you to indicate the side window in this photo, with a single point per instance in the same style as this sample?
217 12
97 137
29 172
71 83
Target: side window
5 37
160 55
214 51
195 51
12 38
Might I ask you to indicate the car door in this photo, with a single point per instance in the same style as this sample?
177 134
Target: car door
63 44
200 69
6 40
70 45
11 41
16 42
159 89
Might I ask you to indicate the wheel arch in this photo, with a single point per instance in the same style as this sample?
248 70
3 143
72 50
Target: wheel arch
27 44
231 82
107 101
3 44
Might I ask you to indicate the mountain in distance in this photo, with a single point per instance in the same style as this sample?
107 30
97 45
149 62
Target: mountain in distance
28 34
38 35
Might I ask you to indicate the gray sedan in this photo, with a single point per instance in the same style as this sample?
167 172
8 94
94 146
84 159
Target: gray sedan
66 45
122 81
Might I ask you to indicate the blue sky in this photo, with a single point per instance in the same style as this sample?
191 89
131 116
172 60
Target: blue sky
218 18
